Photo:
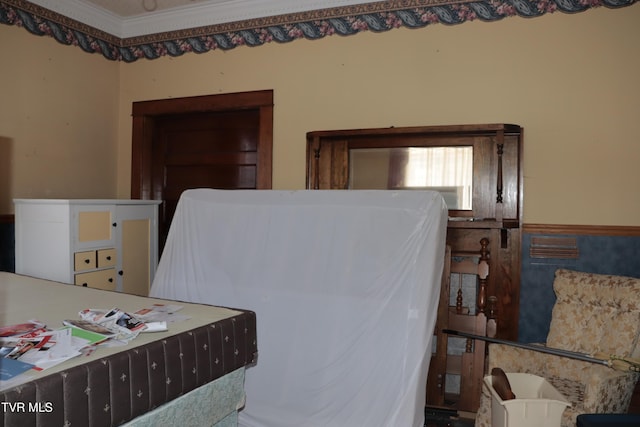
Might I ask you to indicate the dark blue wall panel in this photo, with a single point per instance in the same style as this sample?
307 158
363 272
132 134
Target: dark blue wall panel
617 255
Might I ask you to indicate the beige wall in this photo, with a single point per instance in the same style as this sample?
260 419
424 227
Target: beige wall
58 120
569 80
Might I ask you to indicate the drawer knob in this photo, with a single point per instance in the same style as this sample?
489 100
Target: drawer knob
110 279
115 224
121 272
87 261
109 258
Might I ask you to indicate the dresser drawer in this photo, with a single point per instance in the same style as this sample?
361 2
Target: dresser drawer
84 260
101 279
106 257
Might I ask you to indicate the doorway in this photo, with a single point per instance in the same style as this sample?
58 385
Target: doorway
213 141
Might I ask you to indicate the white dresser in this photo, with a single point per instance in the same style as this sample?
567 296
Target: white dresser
107 244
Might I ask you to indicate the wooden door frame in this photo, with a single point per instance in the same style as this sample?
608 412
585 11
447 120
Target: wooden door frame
146 112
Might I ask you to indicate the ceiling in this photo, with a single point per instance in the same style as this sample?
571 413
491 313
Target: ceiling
133 18
128 8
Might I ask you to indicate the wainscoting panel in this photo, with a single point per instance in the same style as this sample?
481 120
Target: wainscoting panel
604 250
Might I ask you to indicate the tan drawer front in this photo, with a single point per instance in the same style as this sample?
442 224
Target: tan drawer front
84 260
101 279
106 258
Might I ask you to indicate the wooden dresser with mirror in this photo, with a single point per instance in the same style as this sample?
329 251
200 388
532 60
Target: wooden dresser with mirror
478 170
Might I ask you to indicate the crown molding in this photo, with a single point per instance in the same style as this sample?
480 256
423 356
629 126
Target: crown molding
85 13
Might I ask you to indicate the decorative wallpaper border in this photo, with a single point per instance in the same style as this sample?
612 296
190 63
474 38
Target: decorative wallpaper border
377 17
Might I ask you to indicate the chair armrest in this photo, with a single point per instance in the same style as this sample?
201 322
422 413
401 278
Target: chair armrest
605 389
515 359
608 390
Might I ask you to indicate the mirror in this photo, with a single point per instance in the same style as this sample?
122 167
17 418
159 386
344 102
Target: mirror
448 170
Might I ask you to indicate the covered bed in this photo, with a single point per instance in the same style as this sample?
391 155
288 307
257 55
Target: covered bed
190 375
345 285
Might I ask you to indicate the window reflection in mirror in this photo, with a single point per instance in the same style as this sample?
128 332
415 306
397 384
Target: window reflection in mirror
448 170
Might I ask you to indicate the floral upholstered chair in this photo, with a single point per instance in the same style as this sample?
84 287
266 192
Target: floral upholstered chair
593 314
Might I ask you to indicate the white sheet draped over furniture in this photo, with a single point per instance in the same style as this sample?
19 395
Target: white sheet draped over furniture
345 287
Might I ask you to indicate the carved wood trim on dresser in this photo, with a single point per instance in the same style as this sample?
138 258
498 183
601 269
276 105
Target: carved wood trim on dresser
495 210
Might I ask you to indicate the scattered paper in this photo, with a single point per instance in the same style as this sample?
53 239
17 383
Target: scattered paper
31 345
161 313
9 368
21 328
122 325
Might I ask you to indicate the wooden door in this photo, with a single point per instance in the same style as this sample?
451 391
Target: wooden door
203 150
217 141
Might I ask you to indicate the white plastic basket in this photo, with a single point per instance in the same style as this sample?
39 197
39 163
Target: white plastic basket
537 403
